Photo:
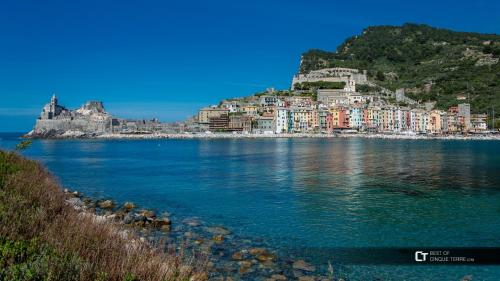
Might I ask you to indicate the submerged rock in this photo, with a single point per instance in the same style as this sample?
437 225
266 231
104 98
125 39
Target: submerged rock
238 256
218 238
193 222
245 267
161 222
266 257
218 230
304 266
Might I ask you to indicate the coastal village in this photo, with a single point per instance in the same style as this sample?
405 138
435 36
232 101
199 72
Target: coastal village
316 104
325 101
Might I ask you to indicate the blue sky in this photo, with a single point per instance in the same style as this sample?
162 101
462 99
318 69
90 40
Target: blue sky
166 59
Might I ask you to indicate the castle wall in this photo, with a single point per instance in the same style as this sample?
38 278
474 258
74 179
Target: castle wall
83 125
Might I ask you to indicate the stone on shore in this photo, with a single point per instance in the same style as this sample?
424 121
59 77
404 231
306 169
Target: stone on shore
128 206
199 276
106 204
278 277
75 202
148 214
304 266
307 278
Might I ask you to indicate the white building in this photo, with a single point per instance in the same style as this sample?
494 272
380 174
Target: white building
282 116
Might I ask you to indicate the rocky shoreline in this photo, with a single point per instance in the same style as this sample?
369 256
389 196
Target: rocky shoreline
206 136
228 256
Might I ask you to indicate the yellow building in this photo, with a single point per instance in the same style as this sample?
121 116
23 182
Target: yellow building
250 109
434 122
206 113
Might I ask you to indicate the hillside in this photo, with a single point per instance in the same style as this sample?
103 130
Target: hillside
431 64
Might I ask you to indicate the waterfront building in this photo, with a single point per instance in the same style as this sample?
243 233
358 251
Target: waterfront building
314 119
300 118
434 123
265 124
323 120
464 116
478 122
282 119
219 123
340 117
356 117
387 119
329 122
444 121
206 113
240 123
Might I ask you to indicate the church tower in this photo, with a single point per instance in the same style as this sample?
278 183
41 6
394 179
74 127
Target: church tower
53 104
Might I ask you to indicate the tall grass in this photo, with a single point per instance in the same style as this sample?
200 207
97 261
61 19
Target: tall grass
42 236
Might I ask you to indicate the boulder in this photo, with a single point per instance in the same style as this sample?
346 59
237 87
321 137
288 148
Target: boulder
163 221
148 214
129 218
106 204
128 206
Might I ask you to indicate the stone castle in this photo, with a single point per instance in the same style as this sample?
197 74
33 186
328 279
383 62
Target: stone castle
90 119
336 74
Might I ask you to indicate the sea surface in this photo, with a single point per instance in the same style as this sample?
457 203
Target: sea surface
305 197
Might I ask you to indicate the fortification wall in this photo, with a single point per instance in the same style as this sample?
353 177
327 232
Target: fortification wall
83 125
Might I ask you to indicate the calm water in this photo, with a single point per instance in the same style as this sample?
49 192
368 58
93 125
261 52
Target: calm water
305 196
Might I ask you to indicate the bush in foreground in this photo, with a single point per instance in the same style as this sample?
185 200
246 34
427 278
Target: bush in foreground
43 238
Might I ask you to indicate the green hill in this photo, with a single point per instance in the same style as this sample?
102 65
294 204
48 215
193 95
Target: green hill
431 64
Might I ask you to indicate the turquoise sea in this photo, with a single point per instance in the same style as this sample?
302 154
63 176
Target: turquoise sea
305 197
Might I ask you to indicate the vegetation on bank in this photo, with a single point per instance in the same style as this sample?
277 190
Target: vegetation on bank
43 238
432 64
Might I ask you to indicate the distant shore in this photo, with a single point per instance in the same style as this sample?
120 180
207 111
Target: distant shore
295 135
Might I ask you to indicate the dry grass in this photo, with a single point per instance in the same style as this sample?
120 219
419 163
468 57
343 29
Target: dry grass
32 207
